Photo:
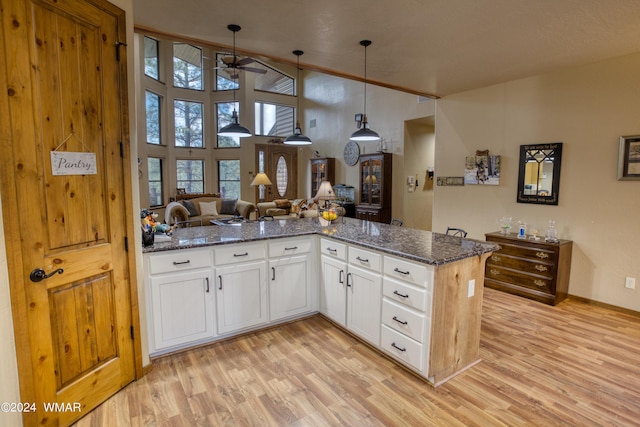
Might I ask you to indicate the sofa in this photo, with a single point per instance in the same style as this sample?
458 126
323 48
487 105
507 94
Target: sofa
195 211
292 209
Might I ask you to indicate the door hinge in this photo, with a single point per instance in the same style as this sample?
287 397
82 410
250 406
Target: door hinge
118 44
121 150
126 244
133 335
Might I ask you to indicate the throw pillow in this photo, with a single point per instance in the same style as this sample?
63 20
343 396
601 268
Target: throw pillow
208 208
276 212
296 205
190 207
228 206
282 203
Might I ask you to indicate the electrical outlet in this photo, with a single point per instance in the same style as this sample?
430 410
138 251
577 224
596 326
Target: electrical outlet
472 288
630 283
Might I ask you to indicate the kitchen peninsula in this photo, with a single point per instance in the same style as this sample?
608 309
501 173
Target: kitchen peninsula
413 295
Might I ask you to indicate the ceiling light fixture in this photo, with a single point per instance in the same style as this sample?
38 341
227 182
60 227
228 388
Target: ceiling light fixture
234 128
364 133
298 138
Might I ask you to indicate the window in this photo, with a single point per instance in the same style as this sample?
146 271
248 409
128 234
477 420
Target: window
154 166
229 178
273 119
224 110
188 123
187 66
153 117
273 80
151 67
190 175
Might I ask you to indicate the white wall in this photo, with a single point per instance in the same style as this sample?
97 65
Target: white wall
588 109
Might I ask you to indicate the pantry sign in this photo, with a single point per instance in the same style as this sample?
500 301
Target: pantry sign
73 163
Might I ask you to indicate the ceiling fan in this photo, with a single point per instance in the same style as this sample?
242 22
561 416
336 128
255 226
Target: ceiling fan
231 64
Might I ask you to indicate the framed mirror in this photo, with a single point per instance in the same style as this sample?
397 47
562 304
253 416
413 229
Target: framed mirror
539 173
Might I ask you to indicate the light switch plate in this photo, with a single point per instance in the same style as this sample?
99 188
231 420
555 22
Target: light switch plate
472 288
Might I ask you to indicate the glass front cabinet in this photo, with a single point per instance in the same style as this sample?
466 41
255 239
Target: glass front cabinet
322 169
375 187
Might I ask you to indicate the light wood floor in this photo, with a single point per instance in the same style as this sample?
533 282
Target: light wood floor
573 364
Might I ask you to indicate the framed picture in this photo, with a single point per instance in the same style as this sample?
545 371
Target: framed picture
629 158
181 191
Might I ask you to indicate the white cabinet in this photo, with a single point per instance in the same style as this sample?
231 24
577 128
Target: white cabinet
181 309
241 286
363 303
289 278
333 287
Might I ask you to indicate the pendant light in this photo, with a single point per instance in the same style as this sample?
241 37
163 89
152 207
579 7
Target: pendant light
298 138
234 128
364 133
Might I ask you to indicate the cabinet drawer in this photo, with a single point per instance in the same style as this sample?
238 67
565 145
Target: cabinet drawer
179 261
418 274
333 249
537 253
288 247
540 283
365 259
401 347
403 319
229 254
406 294
526 265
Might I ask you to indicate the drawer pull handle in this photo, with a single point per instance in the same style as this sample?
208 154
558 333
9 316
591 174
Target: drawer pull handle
273 273
332 250
402 322
541 268
540 283
349 283
291 249
400 295
206 279
341 276
362 259
181 262
220 279
244 254
542 255
494 272
396 347
496 258
397 270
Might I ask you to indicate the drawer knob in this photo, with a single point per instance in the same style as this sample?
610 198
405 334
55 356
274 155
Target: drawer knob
400 295
542 255
494 272
398 348
541 267
402 322
496 258
540 283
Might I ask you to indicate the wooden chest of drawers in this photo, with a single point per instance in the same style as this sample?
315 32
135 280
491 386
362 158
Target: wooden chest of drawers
532 269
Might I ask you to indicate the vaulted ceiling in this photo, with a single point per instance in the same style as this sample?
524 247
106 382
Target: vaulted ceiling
428 47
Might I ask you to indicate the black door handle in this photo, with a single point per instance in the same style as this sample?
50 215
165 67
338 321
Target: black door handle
39 274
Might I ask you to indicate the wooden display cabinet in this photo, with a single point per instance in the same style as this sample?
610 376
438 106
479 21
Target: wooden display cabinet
322 169
375 187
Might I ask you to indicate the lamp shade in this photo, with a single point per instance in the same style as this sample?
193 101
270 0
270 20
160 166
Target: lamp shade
364 133
297 138
234 128
261 179
325 191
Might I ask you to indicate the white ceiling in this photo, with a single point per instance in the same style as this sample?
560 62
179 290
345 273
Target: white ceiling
431 47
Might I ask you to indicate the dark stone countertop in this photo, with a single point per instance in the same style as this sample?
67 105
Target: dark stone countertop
422 246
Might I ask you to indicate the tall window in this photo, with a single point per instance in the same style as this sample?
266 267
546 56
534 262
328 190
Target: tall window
153 117
188 123
190 175
229 178
224 110
273 119
225 76
151 66
154 166
187 66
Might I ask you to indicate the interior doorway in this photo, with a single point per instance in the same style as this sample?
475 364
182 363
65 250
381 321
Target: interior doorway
419 165
280 163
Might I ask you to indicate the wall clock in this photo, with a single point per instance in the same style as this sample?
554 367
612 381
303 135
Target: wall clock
351 153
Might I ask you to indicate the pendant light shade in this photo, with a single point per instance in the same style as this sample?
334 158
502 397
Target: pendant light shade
234 129
364 133
298 138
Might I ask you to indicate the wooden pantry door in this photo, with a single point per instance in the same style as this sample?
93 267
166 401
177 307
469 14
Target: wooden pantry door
64 72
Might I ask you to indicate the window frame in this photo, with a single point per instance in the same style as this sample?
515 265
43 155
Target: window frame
161 181
238 181
204 175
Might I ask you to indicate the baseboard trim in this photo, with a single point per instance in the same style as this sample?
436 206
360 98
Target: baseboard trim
604 305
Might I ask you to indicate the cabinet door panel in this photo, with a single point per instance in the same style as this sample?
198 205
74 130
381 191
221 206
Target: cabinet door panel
333 288
364 292
182 309
289 292
241 296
